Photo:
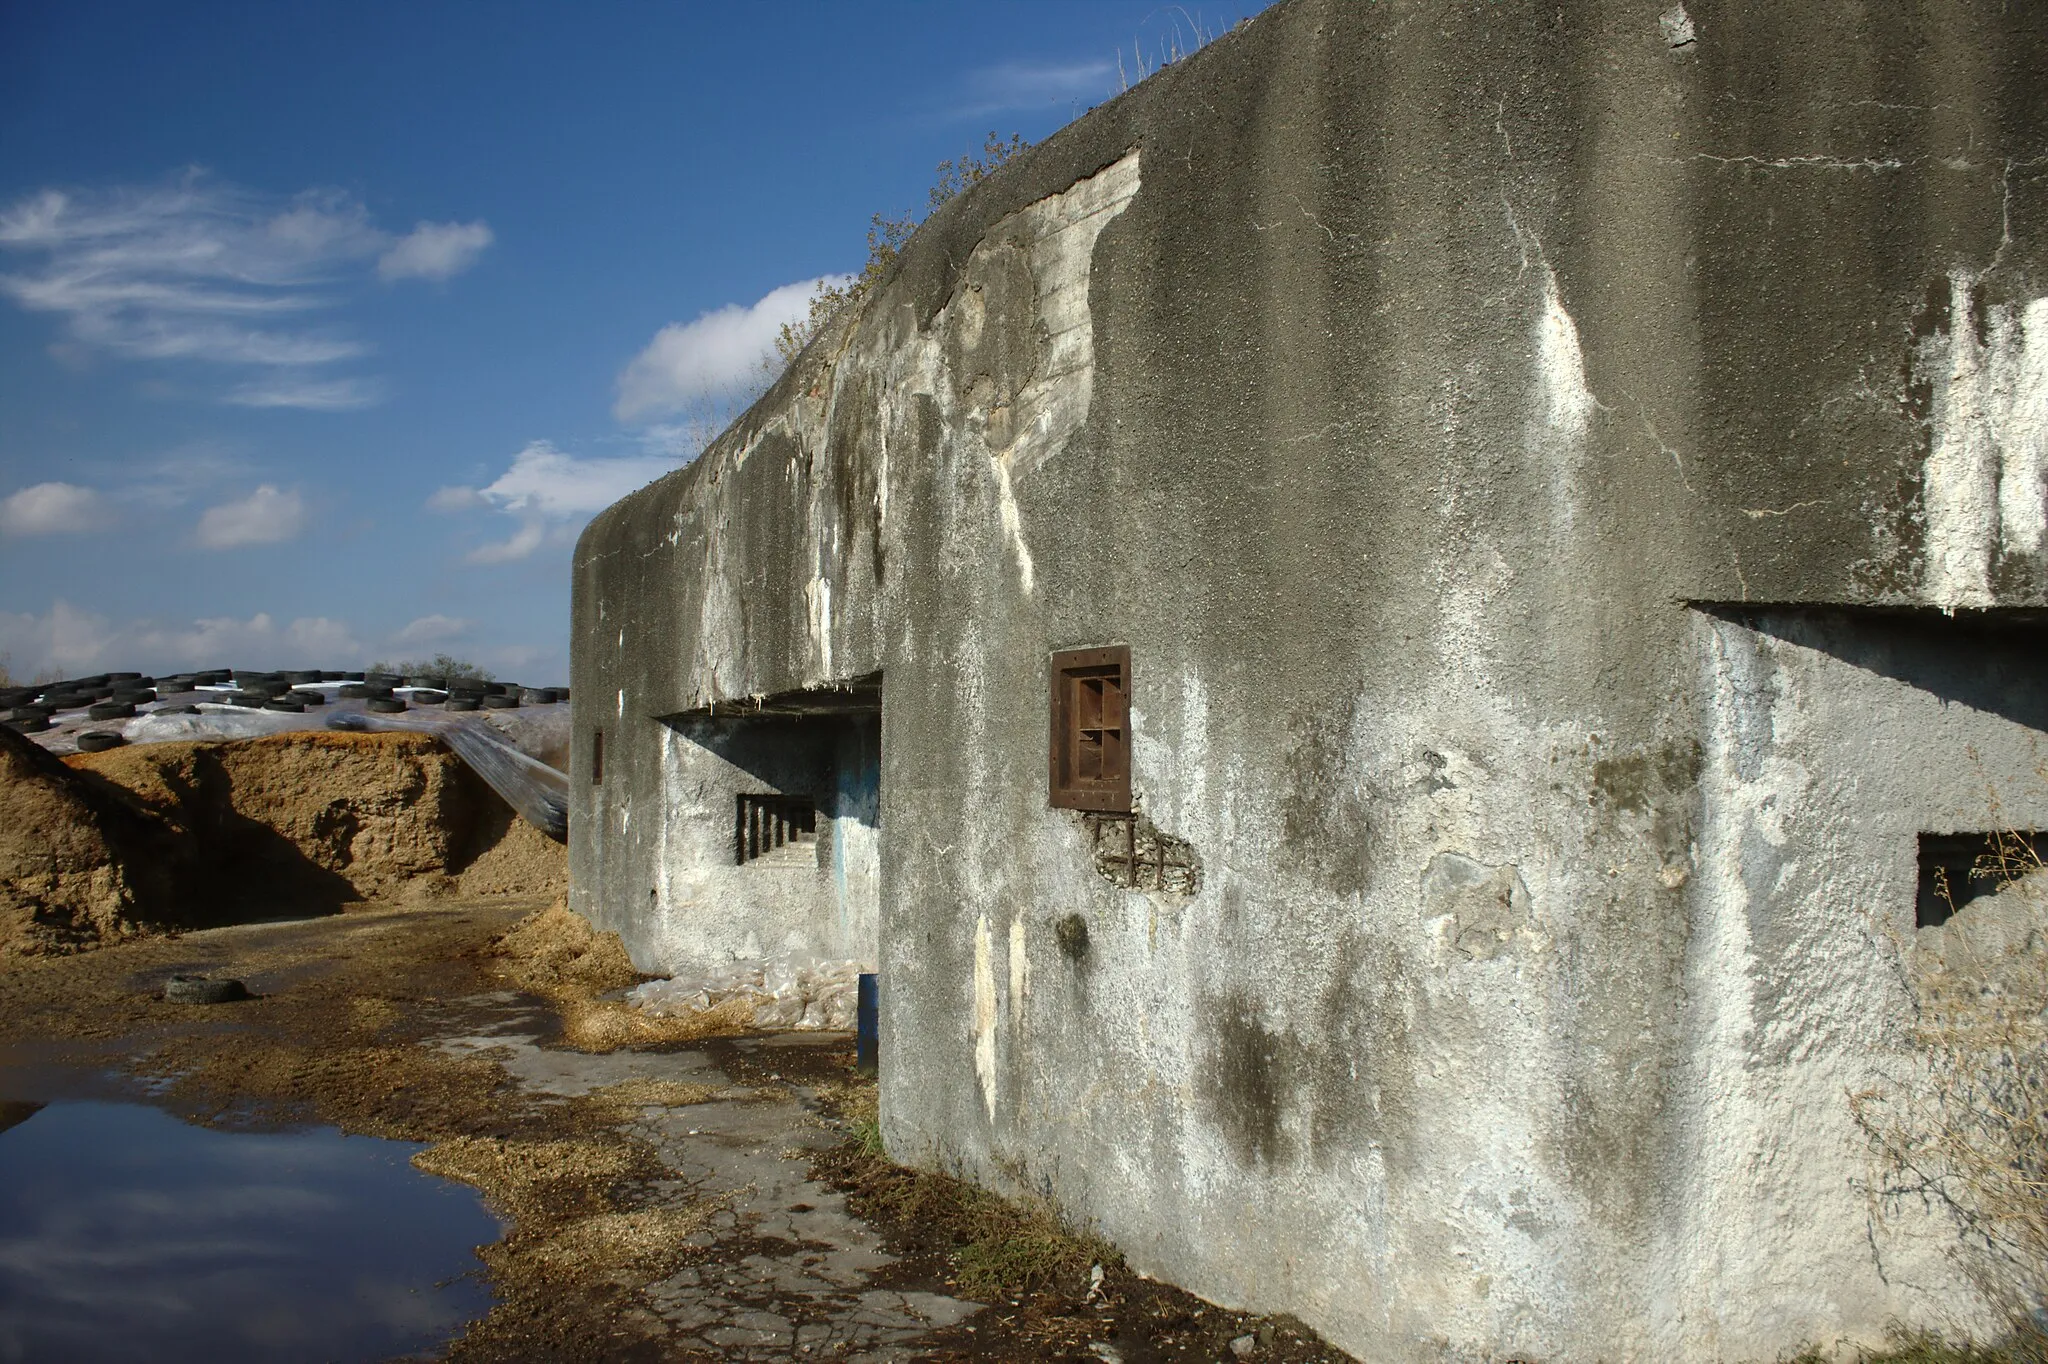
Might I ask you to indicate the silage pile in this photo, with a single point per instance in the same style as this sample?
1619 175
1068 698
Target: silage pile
96 847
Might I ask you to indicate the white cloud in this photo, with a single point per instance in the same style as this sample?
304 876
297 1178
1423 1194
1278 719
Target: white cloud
546 482
432 630
456 499
531 535
68 640
435 251
198 270
550 493
264 517
54 509
312 395
716 359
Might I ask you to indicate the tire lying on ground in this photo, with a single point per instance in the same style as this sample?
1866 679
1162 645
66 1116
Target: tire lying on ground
354 691
110 710
291 707
428 697
176 710
30 725
99 741
501 703
200 990
384 705
462 703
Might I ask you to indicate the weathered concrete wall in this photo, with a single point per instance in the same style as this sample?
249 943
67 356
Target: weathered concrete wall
704 909
1390 378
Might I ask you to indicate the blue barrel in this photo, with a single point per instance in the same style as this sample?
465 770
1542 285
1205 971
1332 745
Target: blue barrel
867 1036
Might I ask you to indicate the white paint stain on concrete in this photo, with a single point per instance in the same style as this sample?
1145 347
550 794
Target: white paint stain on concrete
985 1014
1985 485
1561 366
1020 971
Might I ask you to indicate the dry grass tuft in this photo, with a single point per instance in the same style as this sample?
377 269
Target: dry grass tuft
1962 1127
558 955
535 1180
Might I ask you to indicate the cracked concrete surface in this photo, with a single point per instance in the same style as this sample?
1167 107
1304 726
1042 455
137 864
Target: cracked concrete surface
784 1269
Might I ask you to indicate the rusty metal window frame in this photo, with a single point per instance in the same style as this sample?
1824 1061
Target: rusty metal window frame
1089 763
765 821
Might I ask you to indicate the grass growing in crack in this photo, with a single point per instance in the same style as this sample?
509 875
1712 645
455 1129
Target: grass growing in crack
1928 1348
1000 1246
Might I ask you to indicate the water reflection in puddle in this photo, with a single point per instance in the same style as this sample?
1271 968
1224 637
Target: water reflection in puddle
126 1234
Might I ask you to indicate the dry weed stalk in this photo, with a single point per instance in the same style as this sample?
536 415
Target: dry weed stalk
1962 1128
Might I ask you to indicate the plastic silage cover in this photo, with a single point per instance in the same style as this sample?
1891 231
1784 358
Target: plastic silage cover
789 992
498 745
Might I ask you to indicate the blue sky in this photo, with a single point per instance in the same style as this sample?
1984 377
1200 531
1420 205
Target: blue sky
325 327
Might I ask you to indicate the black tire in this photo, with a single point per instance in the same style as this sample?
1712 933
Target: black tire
354 692
31 725
278 703
349 677
254 700
384 705
309 698
134 698
175 710
501 703
302 675
110 710
200 990
99 741
29 713
561 693
428 697
462 703
536 696
123 677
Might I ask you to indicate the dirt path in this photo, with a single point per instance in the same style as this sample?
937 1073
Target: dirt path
682 1200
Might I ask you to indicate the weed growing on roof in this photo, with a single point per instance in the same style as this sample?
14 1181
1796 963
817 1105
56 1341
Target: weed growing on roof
886 238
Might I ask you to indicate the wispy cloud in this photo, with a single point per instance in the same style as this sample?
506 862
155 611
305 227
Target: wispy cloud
719 359
54 509
432 630
206 272
435 251
1032 85
549 493
267 516
69 639
311 395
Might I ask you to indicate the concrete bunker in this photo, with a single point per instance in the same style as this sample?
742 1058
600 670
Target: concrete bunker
1561 573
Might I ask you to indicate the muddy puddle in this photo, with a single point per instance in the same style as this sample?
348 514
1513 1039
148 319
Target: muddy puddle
128 1234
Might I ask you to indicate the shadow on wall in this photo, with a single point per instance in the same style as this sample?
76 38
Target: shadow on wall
808 765
1994 661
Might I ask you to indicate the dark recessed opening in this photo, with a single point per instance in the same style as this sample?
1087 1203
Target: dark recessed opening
765 824
1958 868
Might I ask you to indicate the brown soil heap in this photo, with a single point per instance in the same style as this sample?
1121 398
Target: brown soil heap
96 847
82 862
